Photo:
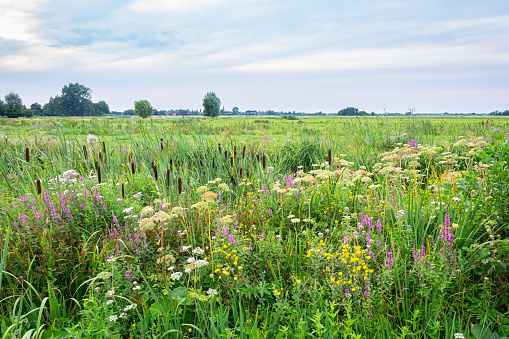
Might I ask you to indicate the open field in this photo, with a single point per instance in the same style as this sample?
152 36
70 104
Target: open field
254 227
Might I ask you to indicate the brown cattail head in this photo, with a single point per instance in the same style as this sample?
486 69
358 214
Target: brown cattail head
329 157
85 151
258 157
168 178
264 161
123 191
39 187
226 154
161 146
156 175
99 173
213 162
104 148
244 152
241 172
231 161
133 168
235 151
27 155
180 185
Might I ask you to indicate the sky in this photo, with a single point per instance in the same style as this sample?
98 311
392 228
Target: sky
284 55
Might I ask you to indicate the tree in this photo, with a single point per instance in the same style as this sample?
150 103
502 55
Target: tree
143 108
211 105
349 111
129 111
13 106
2 107
54 107
102 108
76 100
36 108
235 110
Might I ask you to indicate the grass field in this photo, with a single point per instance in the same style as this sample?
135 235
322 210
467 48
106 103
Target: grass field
254 227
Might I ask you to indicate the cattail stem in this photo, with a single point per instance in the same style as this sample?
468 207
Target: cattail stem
100 157
27 155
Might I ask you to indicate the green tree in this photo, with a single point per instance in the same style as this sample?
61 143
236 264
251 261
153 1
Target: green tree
349 111
54 107
76 100
211 105
143 108
13 106
36 108
129 111
235 110
2 107
102 108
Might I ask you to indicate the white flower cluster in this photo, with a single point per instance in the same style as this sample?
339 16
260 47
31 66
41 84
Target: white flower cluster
110 293
198 251
212 292
130 307
176 276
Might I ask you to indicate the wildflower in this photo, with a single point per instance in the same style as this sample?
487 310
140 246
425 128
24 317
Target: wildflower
137 287
123 315
119 200
184 248
147 210
212 292
176 276
459 336
224 187
198 251
188 270
137 195
92 140
295 220
161 217
167 259
113 318
147 225
202 189
109 302
128 274
110 294
200 263
191 260
171 268
130 307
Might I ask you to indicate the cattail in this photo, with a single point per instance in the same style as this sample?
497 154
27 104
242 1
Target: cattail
258 157
168 178
39 188
241 172
171 163
244 152
226 154
104 148
329 157
99 173
219 147
27 155
133 168
123 191
235 151
85 151
263 161
231 161
156 175
180 185
100 157
162 147
213 162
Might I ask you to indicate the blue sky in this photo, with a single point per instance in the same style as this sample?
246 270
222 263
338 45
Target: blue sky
321 55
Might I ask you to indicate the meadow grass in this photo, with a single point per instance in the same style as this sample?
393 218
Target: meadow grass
254 227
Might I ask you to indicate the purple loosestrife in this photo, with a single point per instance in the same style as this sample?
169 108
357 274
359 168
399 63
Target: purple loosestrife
390 260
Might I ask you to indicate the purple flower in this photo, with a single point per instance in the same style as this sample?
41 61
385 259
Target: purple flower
270 211
128 274
412 143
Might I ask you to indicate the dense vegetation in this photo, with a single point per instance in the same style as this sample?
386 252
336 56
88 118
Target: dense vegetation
254 228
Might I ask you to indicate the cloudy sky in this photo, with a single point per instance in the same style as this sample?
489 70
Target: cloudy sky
320 55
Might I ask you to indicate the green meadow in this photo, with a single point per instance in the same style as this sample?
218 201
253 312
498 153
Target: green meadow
254 227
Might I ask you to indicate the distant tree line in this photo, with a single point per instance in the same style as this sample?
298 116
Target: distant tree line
506 112
75 100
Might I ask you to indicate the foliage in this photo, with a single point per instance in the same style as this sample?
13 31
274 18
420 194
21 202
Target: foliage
351 111
143 108
189 232
36 108
211 105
